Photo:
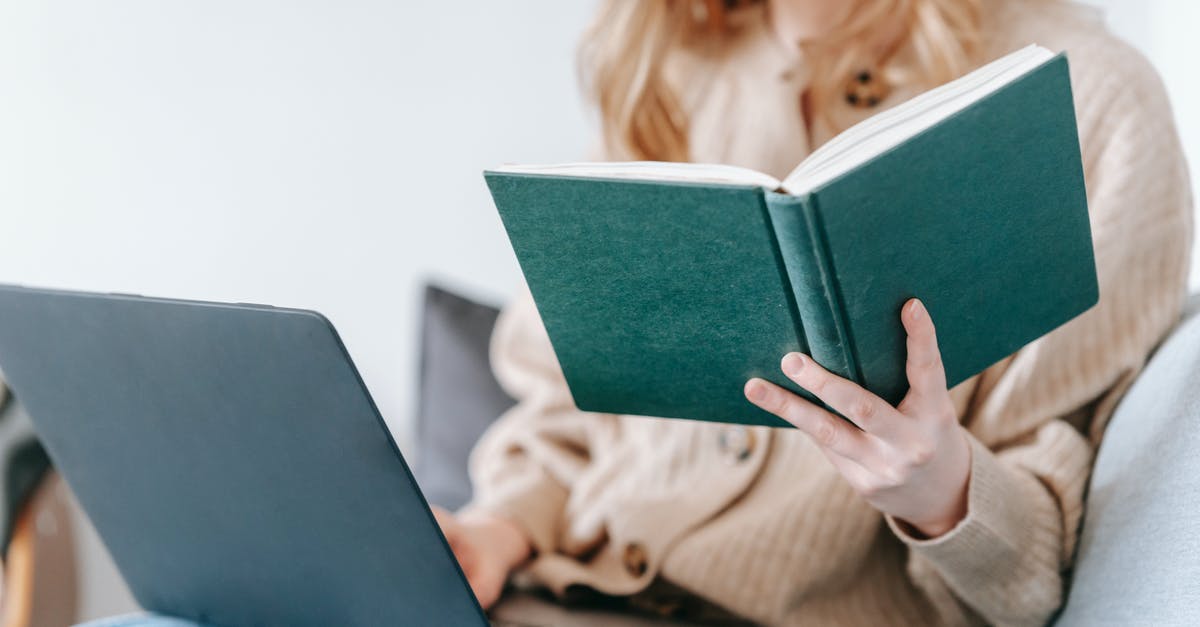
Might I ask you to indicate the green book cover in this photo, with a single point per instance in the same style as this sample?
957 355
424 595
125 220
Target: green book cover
662 297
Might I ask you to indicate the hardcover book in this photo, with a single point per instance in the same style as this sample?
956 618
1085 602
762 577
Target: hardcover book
665 286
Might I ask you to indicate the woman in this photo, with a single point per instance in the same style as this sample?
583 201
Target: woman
959 506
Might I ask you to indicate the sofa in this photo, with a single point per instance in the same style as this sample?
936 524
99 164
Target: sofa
1138 561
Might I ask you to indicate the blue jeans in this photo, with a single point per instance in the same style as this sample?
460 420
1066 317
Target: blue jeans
141 620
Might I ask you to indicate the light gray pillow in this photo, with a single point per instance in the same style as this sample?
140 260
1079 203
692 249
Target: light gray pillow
1139 555
23 464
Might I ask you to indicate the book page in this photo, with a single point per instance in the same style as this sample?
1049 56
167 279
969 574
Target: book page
653 171
888 129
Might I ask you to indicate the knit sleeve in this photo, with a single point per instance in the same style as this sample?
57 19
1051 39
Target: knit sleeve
1037 417
523 466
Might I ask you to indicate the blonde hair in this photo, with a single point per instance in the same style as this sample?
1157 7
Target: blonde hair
623 53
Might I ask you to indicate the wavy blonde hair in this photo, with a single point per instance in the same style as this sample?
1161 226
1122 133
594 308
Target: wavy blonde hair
622 57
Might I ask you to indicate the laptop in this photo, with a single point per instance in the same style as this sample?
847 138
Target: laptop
231 459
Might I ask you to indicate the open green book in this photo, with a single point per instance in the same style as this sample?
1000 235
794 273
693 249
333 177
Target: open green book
665 286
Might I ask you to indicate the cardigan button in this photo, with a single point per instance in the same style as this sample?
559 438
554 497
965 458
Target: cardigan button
737 442
636 560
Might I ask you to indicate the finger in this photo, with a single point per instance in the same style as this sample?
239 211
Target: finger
871 413
486 583
926 374
827 430
444 519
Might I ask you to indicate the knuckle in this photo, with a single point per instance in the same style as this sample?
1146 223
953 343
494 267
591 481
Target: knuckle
775 402
872 487
894 476
946 414
789 409
825 434
864 409
920 455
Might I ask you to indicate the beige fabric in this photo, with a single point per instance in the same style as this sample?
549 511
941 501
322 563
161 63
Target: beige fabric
756 520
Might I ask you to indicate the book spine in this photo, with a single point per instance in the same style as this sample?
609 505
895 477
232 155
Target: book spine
805 255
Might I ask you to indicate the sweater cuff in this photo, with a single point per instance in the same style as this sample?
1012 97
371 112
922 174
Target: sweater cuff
1006 549
534 503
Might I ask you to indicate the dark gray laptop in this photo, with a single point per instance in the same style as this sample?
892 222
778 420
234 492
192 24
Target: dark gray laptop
231 459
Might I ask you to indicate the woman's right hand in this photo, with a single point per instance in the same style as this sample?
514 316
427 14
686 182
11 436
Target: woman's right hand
487 547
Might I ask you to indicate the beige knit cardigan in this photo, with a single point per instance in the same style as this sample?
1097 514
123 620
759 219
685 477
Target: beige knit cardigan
756 521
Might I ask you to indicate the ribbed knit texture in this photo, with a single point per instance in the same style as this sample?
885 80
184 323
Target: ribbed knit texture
766 528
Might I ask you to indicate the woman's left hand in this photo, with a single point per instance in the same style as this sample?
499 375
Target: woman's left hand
912 461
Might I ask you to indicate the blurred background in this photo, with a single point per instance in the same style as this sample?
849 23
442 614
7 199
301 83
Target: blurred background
323 155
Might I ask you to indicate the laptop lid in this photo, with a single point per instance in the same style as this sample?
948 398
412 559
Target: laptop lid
231 459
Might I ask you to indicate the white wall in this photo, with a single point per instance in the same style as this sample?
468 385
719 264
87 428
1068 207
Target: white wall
311 154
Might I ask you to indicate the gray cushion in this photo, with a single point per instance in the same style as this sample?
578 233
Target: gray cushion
23 463
1139 555
458 395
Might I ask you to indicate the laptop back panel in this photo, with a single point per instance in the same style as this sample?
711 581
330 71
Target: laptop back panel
231 459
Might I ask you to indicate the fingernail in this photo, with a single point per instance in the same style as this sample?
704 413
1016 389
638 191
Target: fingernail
915 310
755 390
793 363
